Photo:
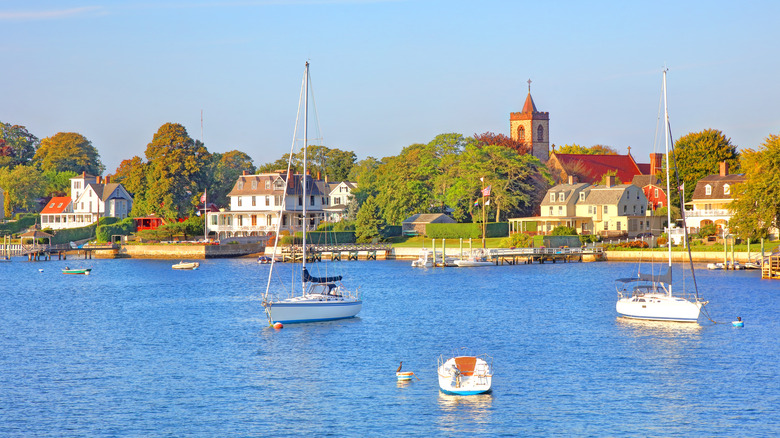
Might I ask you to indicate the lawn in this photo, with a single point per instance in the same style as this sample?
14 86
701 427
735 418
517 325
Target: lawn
420 242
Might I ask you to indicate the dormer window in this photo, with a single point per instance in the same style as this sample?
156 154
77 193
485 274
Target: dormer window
561 197
279 184
254 184
726 189
240 184
708 190
582 196
267 184
552 197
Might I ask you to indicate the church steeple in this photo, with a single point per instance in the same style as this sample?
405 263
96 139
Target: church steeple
531 126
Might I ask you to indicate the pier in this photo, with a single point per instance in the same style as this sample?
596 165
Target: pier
770 268
347 251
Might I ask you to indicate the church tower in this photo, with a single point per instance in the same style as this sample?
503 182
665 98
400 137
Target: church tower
532 127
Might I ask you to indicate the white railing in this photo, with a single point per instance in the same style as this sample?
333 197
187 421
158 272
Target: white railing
707 213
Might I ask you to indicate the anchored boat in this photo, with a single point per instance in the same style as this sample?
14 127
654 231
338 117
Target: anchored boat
465 374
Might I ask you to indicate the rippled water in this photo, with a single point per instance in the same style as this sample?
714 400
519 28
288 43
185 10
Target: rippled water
140 349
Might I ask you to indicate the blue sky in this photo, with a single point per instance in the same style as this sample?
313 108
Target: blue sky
386 74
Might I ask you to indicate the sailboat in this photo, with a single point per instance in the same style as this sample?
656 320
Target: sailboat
319 298
649 296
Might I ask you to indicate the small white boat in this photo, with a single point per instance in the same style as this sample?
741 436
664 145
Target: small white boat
752 265
474 260
186 265
714 266
465 374
429 258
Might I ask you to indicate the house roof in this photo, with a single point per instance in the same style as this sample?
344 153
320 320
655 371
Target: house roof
56 205
243 185
644 168
568 189
604 194
717 183
429 218
591 168
646 180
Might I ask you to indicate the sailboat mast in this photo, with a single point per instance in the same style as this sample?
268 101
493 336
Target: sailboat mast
305 146
668 191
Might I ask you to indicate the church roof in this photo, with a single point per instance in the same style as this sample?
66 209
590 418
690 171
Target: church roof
529 106
591 168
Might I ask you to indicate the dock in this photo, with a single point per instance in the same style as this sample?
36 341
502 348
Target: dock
347 251
770 268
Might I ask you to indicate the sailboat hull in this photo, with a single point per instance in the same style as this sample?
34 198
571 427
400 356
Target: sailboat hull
290 312
659 308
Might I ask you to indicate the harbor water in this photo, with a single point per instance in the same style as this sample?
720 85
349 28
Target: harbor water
139 349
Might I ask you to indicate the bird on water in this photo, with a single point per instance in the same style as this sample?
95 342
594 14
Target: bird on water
399 367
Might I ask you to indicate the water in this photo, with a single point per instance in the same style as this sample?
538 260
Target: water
140 349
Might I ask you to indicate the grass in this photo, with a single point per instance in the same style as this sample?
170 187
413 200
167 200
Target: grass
420 242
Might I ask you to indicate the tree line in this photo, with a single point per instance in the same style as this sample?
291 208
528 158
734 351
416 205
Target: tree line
445 175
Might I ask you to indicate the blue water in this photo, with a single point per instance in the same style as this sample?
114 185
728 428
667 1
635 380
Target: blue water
140 349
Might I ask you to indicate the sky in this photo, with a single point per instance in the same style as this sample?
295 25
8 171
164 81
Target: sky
386 74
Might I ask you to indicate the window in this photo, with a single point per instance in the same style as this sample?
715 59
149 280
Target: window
618 226
625 207
213 219
552 197
708 189
277 199
641 209
268 220
238 200
254 220
278 184
300 200
254 184
560 210
311 200
540 133
726 189
634 209
267 201
589 209
561 197
240 221
240 184
551 210
337 200
521 133
605 210
267 184
606 225
656 194
254 202
582 196
324 200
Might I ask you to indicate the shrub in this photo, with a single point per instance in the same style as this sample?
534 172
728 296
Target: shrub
517 240
466 231
124 227
563 230
636 244
589 238
708 230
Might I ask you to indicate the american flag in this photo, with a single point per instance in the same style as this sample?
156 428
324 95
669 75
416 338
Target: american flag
203 197
486 191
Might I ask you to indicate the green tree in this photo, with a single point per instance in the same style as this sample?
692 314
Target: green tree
175 173
22 185
58 183
224 171
68 151
280 164
608 174
756 204
364 173
369 223
574 148
17 146
698 154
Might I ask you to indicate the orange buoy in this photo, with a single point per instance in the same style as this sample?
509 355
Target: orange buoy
278 325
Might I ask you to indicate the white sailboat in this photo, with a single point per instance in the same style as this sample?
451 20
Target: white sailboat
320 298
649 296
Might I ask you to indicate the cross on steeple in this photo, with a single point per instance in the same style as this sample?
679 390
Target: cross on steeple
529 86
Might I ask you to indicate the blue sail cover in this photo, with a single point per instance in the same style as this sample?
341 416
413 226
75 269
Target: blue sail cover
309 279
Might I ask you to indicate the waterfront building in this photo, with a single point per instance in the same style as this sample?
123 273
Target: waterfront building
257 200
415 224
711 199
339 195
91 197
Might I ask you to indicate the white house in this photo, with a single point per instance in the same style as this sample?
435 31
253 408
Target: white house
257 200
338 199
91 198
711 198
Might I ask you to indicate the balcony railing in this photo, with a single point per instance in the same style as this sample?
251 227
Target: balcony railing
708 213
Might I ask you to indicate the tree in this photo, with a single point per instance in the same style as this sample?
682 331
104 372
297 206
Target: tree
58 183
518 146
224 171
369 223
175 175
17 146
364 173
68 151
698 154
756 205
280 164
22 186
607 174
598 149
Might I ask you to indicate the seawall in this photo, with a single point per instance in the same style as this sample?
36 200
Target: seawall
183 251
679 256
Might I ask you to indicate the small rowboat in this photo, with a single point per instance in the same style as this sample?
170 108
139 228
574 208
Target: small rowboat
186 265
84 271
404 375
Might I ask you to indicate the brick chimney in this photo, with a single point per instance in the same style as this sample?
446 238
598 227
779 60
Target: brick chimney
243 172
724 168
108 179
610 180
98 179
572 179
655 163
290 180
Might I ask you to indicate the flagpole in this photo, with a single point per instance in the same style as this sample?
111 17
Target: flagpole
483 212
205 216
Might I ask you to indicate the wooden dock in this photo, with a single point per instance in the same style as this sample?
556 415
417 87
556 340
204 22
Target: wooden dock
347 251
44 252
770 268
542 255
